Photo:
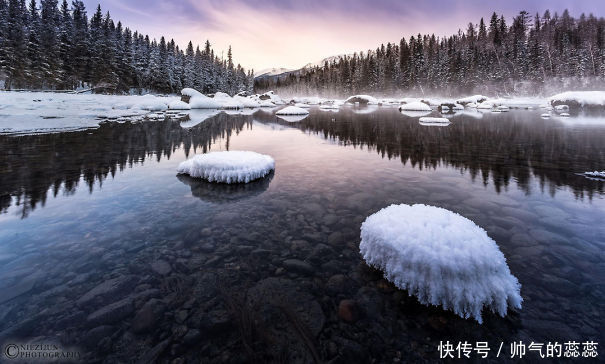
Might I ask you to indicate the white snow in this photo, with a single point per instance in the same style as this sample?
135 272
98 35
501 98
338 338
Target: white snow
475 99
198 116
440 257
46 112
561 108
179 105
227 102
190 92
583 98
292 110
200 101
433 121
266 103
274 98
228 167
415 106
362 99
513 103
545 116
564 114
246 102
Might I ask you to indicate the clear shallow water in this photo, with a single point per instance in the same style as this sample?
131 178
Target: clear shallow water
258 271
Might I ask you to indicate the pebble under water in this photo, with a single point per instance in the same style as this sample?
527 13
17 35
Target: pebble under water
105 250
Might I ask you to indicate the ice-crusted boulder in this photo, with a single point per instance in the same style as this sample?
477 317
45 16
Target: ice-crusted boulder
415 106
292 110
228 167
440 257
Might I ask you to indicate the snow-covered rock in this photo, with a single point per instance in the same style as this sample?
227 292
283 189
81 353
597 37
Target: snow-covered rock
579 99
179 105
415 106
441 258
564 115
227 102
545 116
246 102
475 99
190 92
228 167
292 110
562 108
203 102
485 106
362 100
271 96
433 121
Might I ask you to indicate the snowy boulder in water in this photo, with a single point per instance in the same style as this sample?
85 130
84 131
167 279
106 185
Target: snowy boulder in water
415 106
362 100
440 257
579 99
228 167
292 110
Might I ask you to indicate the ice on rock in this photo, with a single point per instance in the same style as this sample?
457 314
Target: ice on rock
440 257
179 105
415 106
292 110
228 167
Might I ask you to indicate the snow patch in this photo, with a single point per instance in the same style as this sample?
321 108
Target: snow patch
440 257
228 167
580 98
179 105
415 106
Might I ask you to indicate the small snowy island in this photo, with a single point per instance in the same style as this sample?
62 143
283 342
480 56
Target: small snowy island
228 167
440 257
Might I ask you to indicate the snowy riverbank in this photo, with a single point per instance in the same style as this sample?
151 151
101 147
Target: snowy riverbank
44 112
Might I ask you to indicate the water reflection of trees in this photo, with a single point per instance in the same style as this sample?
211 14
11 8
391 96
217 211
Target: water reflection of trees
33 165
500 147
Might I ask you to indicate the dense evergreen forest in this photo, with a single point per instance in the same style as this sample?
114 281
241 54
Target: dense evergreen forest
58 47
535 54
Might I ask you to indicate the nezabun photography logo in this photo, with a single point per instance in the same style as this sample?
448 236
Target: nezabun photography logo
43 352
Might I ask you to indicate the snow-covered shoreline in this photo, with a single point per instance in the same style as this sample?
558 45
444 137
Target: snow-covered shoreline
48 112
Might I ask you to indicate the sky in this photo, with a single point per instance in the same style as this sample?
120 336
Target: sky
292 33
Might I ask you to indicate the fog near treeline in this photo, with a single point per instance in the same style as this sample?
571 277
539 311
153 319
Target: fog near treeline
537 55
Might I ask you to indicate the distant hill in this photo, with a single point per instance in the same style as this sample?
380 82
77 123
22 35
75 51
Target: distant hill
275 73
